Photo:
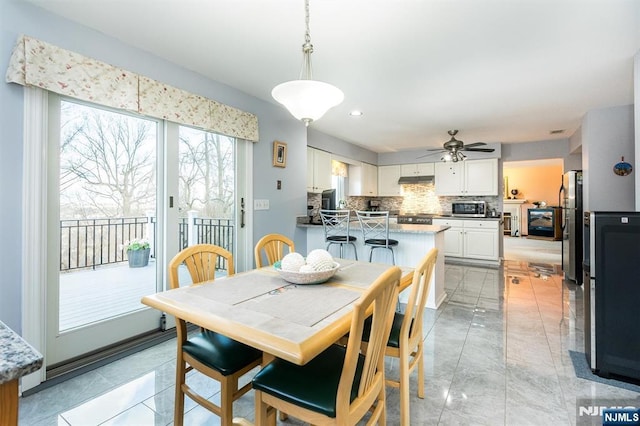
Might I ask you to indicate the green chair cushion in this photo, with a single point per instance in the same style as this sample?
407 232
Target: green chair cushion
219 352
313 386
394 337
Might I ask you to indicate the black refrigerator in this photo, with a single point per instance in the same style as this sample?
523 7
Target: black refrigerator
612 293
570 201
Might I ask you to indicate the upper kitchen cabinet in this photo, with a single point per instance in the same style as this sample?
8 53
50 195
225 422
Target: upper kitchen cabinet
318 170
419 169
469 177
388 181
363 180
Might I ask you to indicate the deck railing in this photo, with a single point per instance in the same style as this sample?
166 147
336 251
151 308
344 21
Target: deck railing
88 243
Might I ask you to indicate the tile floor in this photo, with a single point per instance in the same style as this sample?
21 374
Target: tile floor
496 353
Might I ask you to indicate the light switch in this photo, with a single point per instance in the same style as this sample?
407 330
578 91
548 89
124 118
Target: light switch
261 204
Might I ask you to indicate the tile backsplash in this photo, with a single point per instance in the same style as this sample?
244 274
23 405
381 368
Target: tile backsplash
416 198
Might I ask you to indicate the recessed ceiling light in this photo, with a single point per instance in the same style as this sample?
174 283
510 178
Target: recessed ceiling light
556 132
355 113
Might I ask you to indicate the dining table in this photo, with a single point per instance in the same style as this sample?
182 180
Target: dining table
294 322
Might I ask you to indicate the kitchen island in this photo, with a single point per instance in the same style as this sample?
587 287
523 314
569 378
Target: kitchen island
17 359
414 242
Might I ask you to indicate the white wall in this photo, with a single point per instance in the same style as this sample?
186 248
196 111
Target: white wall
607 136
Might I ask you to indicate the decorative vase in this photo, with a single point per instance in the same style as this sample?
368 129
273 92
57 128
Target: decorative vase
138 258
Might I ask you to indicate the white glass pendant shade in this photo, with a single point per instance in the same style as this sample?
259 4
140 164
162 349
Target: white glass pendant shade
307 100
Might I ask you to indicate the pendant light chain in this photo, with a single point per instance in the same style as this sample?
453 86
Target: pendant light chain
307 48
305 98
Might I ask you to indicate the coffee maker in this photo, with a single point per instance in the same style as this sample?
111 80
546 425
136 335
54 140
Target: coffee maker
374 205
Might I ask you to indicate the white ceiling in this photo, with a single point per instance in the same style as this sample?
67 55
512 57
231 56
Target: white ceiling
497 70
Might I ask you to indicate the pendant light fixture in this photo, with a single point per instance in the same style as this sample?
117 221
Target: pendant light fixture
307 99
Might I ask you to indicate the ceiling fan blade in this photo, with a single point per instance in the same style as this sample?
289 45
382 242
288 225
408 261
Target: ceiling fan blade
472 145
478 149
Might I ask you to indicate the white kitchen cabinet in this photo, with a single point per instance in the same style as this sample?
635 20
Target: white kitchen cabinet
418 169
469 177
481 239
471 239
388 181
453 237
449 178
318 170
363 180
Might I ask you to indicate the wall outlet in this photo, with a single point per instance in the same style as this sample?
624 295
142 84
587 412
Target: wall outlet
261 204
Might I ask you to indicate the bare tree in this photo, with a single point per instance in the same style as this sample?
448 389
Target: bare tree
206 173
107 166
107 162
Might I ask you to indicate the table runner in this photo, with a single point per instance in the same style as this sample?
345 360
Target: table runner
242 287
305 305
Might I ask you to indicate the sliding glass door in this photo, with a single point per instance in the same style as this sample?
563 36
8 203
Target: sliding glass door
125 194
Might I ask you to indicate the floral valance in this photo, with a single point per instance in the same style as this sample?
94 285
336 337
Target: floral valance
37 63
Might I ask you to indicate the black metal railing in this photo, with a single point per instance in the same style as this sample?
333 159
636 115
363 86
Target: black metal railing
88 243
215 231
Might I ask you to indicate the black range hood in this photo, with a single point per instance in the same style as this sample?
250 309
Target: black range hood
415 179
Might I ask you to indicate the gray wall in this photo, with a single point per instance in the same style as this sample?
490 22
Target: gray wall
608 135
337 146
275 124
539 150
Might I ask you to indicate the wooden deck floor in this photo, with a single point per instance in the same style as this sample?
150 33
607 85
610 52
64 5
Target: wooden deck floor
88 296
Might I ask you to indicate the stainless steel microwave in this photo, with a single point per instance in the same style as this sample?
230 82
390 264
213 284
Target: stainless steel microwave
469 208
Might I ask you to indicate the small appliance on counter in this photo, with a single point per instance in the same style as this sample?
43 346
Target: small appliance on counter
469 209
374 205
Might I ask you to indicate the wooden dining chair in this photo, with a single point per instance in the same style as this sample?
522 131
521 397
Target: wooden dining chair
273 246
406 339
340 385
210 353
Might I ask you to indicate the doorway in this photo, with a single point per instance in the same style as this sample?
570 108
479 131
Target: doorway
533 181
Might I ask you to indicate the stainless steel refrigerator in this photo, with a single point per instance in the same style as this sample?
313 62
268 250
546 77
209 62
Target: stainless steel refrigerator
612 293
570 200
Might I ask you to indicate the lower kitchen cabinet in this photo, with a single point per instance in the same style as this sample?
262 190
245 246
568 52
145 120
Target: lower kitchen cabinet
471 239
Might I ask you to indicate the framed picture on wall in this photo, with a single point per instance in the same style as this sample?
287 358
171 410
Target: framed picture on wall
279 154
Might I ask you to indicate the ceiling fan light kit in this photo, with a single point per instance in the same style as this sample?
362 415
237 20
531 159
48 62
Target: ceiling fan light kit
453 149
307 99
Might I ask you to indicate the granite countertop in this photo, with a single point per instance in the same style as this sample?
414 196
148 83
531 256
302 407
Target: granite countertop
17 357
393 227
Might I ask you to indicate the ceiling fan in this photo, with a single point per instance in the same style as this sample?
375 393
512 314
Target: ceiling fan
453 148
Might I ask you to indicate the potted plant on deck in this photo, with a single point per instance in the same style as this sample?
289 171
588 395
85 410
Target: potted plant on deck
138 251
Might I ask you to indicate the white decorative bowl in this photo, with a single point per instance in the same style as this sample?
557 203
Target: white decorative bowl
317 277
